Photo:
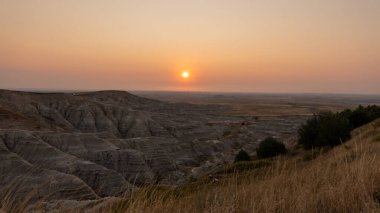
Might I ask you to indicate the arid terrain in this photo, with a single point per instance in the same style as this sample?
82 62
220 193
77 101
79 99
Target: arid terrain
80 147
341 179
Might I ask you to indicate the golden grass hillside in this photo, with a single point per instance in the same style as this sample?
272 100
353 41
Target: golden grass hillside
344 179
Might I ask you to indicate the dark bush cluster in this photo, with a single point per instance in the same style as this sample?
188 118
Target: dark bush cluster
242 156
270 147
325 129
331 129
362 115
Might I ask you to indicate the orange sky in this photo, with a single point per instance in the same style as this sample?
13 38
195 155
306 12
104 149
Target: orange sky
236 45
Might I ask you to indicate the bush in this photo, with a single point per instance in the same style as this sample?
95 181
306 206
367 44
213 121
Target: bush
242 156
325 129
270 147
331 129
362 115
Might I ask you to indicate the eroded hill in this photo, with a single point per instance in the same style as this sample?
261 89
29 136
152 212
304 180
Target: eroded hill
85 146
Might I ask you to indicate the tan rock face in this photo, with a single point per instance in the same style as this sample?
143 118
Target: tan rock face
90 145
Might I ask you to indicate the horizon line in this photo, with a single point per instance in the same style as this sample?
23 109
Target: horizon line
187 91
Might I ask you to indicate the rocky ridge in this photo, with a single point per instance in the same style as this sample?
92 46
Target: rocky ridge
85 146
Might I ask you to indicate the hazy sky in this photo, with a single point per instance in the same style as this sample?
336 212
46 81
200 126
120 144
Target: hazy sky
235 45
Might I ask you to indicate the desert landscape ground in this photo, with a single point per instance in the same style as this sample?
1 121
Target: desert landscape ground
189 106
78 149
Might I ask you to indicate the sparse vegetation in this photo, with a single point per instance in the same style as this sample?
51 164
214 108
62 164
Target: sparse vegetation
270 147
242 156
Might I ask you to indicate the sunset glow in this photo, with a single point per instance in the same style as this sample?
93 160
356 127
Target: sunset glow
250 46
185 74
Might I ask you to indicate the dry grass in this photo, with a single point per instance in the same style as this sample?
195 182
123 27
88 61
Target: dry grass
345 179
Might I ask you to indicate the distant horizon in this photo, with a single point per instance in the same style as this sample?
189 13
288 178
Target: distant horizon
183 91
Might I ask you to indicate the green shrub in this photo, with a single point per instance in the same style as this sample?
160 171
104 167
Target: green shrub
270 147
325 129
242 156
362 115
331 129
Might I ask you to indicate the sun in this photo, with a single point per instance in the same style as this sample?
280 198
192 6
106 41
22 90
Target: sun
185 74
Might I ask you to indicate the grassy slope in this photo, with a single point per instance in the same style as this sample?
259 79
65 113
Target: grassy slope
344 179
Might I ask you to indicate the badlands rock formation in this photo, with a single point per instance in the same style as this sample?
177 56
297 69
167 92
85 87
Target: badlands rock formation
85 146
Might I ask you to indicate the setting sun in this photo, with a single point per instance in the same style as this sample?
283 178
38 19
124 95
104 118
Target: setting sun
185 74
